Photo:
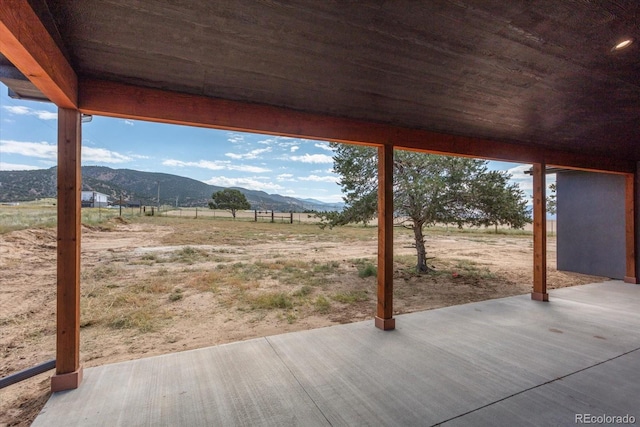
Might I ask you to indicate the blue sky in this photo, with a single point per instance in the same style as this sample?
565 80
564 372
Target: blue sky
294 167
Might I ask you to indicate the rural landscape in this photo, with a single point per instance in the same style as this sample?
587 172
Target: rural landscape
174 282
232 264
319 213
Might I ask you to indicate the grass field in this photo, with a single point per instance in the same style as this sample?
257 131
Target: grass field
158 284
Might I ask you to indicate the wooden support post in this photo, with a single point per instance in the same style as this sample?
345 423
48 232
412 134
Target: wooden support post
539 233
68 370
384 316
630 213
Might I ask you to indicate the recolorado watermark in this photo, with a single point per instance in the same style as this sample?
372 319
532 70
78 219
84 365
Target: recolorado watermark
604 419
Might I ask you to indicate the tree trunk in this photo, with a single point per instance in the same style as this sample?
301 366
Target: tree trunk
421 266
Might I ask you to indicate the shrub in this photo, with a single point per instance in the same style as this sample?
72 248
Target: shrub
367 270
322 305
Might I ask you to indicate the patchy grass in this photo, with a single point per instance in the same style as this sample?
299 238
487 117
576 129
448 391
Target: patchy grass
327 268
322 304
188 255
351 297
44 214
144 319
471 269
271 300
303 291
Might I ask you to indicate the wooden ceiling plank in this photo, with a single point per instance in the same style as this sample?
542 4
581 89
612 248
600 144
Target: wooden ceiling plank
497 70
25 41
126 101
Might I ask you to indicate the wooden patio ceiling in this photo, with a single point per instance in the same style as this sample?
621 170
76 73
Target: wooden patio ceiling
519 80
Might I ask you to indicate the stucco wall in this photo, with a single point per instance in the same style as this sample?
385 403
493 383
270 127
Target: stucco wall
591 228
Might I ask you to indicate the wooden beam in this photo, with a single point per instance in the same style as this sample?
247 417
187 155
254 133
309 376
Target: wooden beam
68 370
630 202
539 233
384 314
126 101
25 41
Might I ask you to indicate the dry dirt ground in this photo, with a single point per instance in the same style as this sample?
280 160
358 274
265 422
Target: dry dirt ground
160 285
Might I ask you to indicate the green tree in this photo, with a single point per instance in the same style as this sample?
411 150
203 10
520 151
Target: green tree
428 189
551 200
500 202
229 199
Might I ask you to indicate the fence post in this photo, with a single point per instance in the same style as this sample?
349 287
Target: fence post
272 219
255 213
291 217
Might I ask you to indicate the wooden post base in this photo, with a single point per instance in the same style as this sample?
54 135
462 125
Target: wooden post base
633 280
539 296
61 382
385 324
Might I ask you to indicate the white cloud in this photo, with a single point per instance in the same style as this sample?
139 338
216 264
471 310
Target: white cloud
288 177
102 155
316 171
518 172
316 178
44 150
26 111
250 155
235 138
248 168
251 183
128 122
215 165
46 115
41 150
294 148
139 156
313 158
204 164
16 167
324 146
20 110
524 181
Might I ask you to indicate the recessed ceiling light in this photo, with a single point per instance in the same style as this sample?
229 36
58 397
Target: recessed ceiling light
623 44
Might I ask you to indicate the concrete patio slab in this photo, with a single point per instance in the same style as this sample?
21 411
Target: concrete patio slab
509 361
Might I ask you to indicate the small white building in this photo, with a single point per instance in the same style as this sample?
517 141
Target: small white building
93 199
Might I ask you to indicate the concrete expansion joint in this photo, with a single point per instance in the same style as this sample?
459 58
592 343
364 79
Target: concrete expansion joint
297 380
538 386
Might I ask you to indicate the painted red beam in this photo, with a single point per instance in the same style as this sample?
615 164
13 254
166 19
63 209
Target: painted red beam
127 101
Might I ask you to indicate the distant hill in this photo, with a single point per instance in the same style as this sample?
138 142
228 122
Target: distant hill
16 186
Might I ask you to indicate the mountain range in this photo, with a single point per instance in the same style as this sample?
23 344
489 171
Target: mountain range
17 186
